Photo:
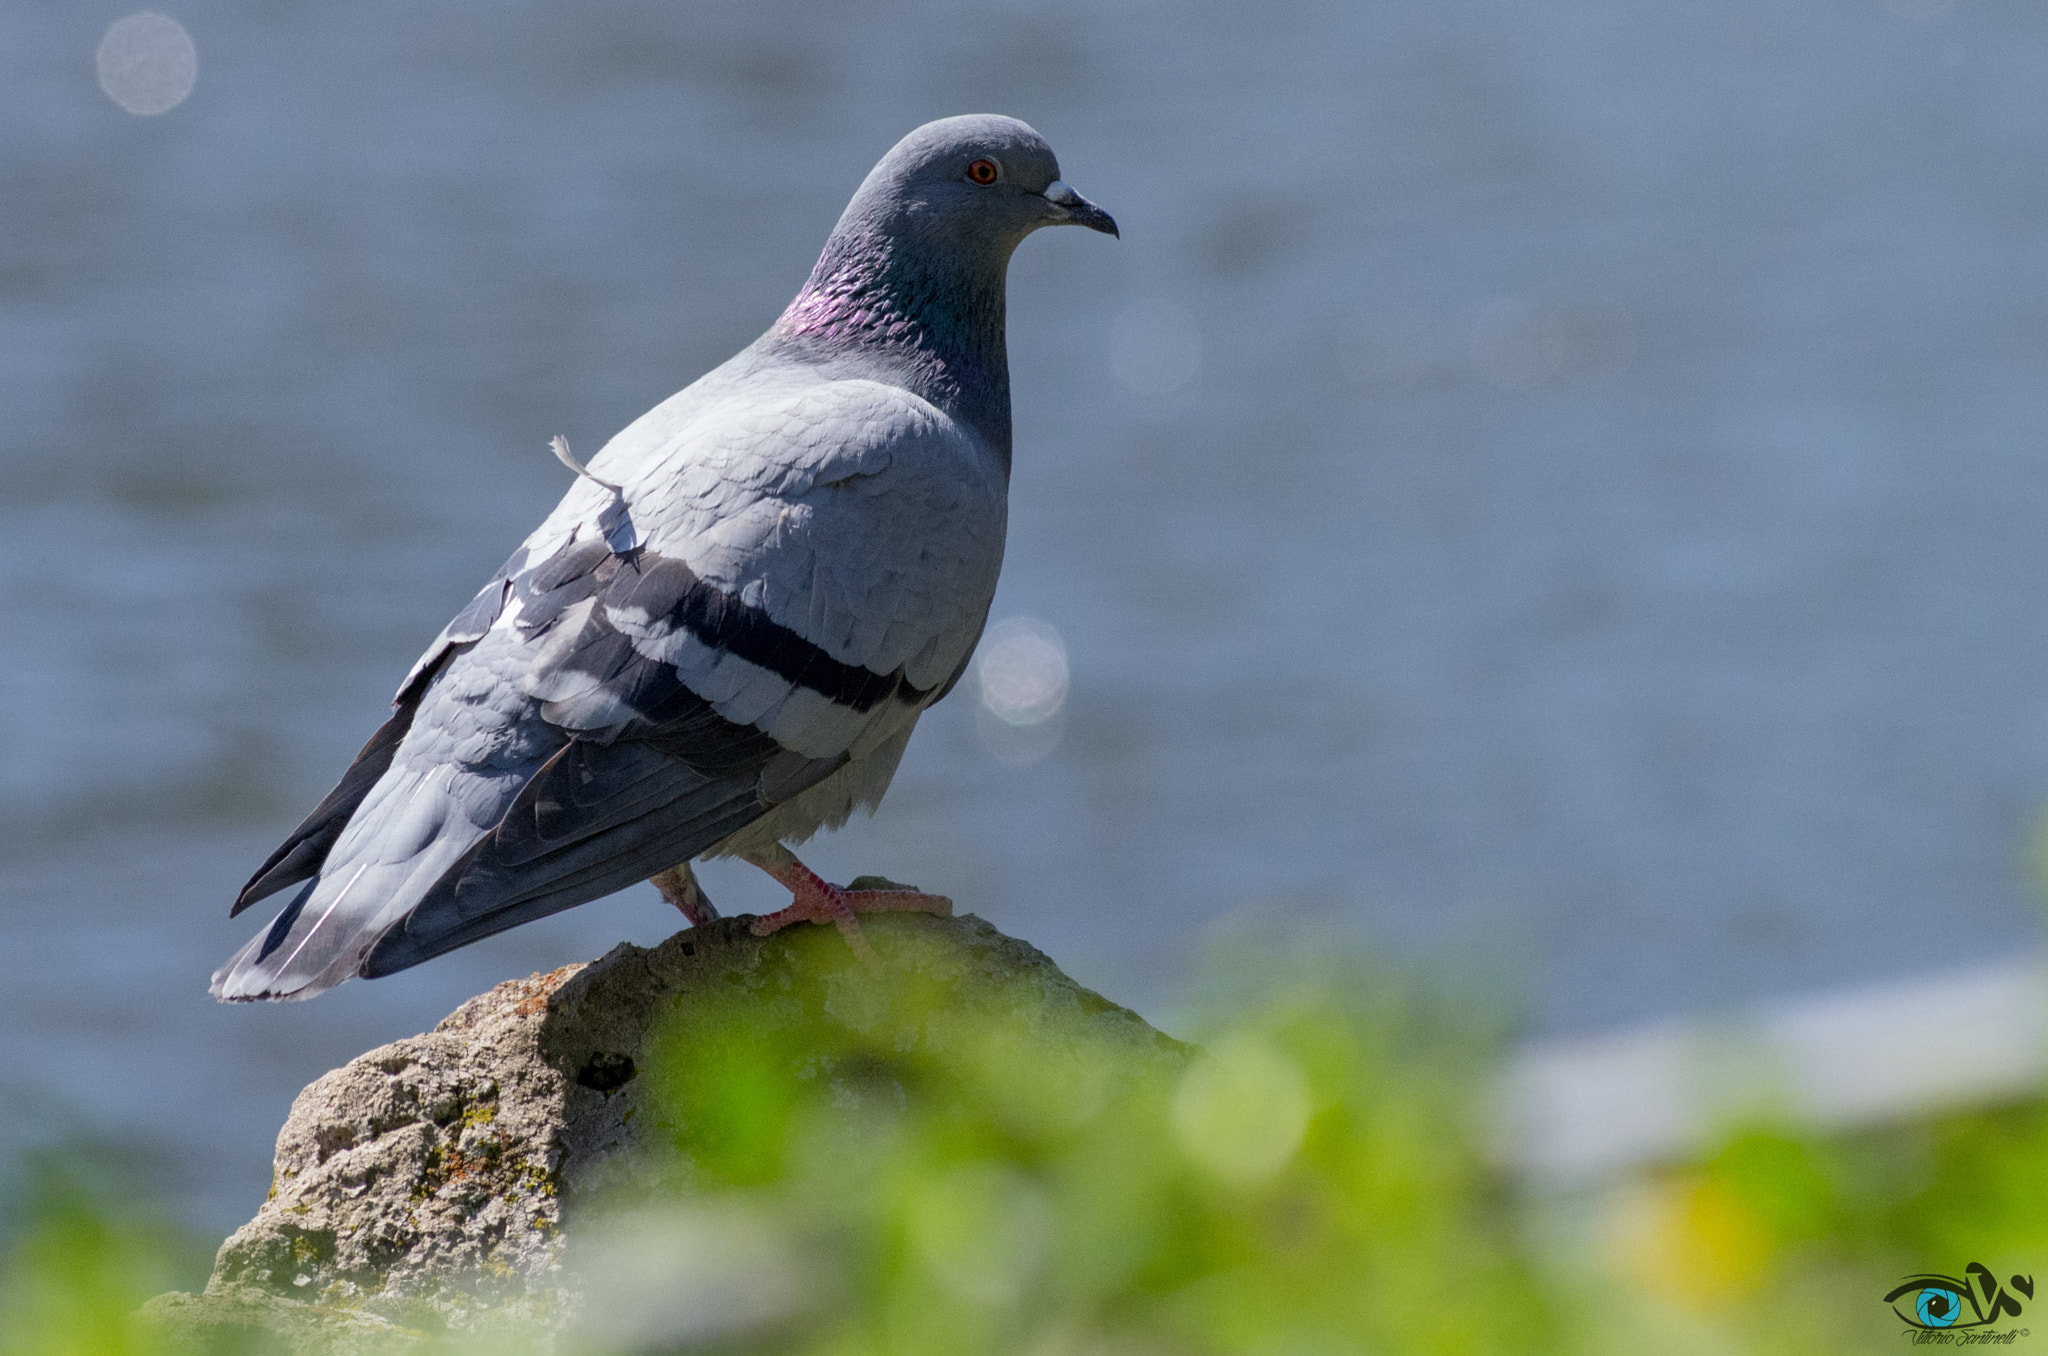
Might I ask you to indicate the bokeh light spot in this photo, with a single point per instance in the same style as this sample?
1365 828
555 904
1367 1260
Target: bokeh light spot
1241 1110
147 63
1021 672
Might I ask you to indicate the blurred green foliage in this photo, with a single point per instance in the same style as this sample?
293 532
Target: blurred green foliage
1782 1240
80 1259
1311 1180
873 1169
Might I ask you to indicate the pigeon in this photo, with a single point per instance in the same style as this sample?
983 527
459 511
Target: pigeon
720 640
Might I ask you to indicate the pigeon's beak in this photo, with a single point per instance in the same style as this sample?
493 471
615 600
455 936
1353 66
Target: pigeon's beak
1078 211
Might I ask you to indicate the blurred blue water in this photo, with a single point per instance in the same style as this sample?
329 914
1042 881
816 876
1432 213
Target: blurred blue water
1600 546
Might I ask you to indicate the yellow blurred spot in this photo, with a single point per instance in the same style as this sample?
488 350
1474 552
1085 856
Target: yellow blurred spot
1689 1241
1241 1110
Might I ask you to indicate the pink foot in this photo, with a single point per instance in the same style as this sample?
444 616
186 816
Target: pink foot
816 900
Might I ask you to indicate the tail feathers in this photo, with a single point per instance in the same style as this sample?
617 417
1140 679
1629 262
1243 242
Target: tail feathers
300 856
298 955
405 837
228 982
320 938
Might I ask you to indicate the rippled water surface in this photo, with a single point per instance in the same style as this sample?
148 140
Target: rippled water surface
1558 489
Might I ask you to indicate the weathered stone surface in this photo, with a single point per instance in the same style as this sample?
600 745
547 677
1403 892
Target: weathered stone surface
426 1186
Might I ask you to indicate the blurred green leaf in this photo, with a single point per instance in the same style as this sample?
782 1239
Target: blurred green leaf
79 1263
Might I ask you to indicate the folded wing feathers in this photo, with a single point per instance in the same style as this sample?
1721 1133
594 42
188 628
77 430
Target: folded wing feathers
598 819
594 716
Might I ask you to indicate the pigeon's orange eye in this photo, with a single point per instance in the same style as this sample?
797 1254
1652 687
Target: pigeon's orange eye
983 172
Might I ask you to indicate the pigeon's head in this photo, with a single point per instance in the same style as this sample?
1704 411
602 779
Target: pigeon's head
975 185
914 274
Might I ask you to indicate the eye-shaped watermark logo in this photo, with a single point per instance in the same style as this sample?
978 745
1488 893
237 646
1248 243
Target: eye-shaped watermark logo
1944 1311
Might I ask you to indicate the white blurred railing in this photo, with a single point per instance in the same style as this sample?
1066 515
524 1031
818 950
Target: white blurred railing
1575 1110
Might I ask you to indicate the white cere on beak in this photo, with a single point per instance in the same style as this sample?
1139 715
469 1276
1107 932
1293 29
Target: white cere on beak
1058 192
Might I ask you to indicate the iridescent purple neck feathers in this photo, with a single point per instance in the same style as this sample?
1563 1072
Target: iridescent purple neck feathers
935 324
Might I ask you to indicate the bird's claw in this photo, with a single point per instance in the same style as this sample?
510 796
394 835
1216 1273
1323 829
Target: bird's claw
815 900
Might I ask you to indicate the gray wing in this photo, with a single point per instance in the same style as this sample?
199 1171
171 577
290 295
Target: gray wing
621 711
299 857
613 807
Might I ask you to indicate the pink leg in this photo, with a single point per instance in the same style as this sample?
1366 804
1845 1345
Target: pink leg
816 900
678 885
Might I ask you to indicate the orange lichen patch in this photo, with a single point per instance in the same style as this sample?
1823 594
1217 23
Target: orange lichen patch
537 988
458 1165
446 1166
